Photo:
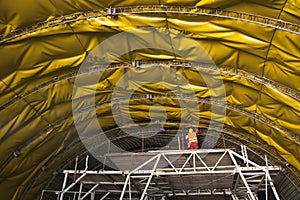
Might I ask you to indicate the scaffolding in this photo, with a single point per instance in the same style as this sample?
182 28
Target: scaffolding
199 174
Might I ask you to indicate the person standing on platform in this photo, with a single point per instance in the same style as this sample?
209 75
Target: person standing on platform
192 139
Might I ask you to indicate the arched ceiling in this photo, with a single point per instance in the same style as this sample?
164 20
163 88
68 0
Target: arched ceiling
42 45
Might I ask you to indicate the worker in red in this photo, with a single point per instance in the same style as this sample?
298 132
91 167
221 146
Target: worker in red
192 139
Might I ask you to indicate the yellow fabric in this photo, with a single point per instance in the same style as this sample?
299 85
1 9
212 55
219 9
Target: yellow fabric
41 51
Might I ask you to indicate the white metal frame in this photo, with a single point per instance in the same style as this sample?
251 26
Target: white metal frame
250 177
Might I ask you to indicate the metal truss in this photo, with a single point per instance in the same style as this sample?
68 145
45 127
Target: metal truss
222 69
169 174
227 14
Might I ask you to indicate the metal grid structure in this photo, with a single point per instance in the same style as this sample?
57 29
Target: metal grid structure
176 174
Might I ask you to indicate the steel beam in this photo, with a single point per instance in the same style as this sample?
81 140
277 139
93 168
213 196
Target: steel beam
105 196
249 180
90 191
150 177
136 169
242 177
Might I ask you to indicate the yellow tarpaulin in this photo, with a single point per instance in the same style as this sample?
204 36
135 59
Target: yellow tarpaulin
254 44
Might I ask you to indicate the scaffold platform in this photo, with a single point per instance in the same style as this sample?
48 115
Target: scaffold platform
177 174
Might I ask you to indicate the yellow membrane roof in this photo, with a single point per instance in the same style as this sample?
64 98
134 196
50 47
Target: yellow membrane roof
254 44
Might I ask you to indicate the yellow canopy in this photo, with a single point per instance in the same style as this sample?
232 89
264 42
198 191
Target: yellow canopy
253 44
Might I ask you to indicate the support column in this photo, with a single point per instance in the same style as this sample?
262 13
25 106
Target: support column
90 191
249 192
93 196
64 186
270 180
105 196
80 190
133 171
150 177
